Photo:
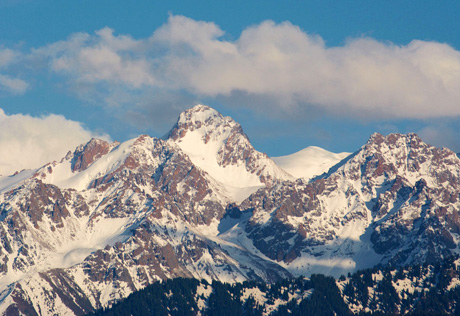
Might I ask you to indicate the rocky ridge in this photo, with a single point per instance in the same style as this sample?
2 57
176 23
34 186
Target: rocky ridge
394 201
218 145
110 218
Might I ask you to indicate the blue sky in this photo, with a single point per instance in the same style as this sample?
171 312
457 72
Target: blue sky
293 73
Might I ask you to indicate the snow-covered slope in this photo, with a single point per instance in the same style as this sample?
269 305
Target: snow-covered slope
218 145
68 174
393 201
110 218
309 162
10 182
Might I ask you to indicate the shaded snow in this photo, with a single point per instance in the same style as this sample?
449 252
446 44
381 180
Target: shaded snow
258 296
202 295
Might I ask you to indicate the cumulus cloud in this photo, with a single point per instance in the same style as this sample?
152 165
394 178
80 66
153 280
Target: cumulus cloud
282 63
29 142
363 77
100 58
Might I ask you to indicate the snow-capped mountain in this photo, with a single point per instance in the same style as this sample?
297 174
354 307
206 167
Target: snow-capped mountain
218 145
394 201
110 218
309 162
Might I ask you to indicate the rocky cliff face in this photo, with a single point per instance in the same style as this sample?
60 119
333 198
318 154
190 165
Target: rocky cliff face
395 201
110 218
218 145
85 155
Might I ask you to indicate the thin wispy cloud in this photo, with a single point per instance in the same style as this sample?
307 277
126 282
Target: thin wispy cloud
7 56
9 83
13 85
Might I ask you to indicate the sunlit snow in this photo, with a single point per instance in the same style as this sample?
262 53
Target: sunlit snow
309 162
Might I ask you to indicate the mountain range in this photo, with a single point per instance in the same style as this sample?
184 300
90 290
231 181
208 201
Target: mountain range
109 219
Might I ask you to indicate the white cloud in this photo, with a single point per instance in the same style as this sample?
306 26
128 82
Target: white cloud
281 62
100 58
364 77
29 142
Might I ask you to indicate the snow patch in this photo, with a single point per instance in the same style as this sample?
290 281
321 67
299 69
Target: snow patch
63 177
309 162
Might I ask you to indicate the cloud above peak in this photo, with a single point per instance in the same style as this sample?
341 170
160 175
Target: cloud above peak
276 61
29 142
364 76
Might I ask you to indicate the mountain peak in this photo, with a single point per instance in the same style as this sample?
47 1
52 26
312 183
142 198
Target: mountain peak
85 155
383 158
204 118
199 113
205 204
218 145
392 139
